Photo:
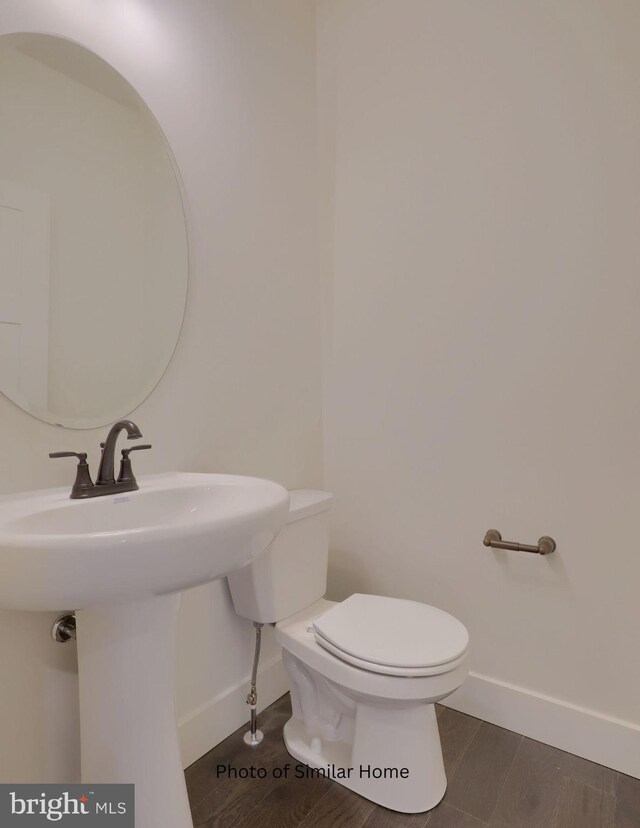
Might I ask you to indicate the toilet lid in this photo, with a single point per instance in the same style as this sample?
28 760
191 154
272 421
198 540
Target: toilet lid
381 632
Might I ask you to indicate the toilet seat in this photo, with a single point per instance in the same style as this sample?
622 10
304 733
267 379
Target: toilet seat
296 636
388 669
392 636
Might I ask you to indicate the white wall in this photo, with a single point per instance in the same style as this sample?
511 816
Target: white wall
232 85
480 198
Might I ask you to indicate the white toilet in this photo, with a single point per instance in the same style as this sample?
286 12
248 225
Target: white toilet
364 673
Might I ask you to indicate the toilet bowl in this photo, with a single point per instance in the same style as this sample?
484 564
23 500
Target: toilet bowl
364 673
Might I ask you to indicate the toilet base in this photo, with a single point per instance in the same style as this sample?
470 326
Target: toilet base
385 741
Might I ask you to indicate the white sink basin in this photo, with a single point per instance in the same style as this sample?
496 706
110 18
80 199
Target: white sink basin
120 562
177 531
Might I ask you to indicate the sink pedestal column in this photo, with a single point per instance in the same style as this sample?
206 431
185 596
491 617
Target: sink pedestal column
126 656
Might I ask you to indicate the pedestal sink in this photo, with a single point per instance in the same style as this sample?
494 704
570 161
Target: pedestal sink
121 563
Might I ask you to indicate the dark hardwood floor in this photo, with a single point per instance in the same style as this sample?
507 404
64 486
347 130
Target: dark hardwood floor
496 778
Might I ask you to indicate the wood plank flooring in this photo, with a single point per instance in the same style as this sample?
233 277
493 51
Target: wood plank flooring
497 779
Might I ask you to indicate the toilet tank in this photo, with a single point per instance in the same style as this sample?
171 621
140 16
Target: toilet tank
292 573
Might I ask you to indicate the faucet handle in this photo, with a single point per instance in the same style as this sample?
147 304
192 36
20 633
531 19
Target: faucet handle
82 455
127 451
126 471
83 482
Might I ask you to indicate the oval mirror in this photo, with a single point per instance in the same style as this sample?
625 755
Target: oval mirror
93 240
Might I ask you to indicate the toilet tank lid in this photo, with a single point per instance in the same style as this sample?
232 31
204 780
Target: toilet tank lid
306 502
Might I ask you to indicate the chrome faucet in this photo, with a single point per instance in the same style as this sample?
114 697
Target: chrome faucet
106 483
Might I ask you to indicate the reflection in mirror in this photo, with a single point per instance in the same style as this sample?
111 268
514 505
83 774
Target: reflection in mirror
93 242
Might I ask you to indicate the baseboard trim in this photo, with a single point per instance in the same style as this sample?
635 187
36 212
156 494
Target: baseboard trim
594 736
604 739
209 724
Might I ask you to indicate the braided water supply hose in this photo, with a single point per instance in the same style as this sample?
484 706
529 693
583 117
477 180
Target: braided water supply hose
254 736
